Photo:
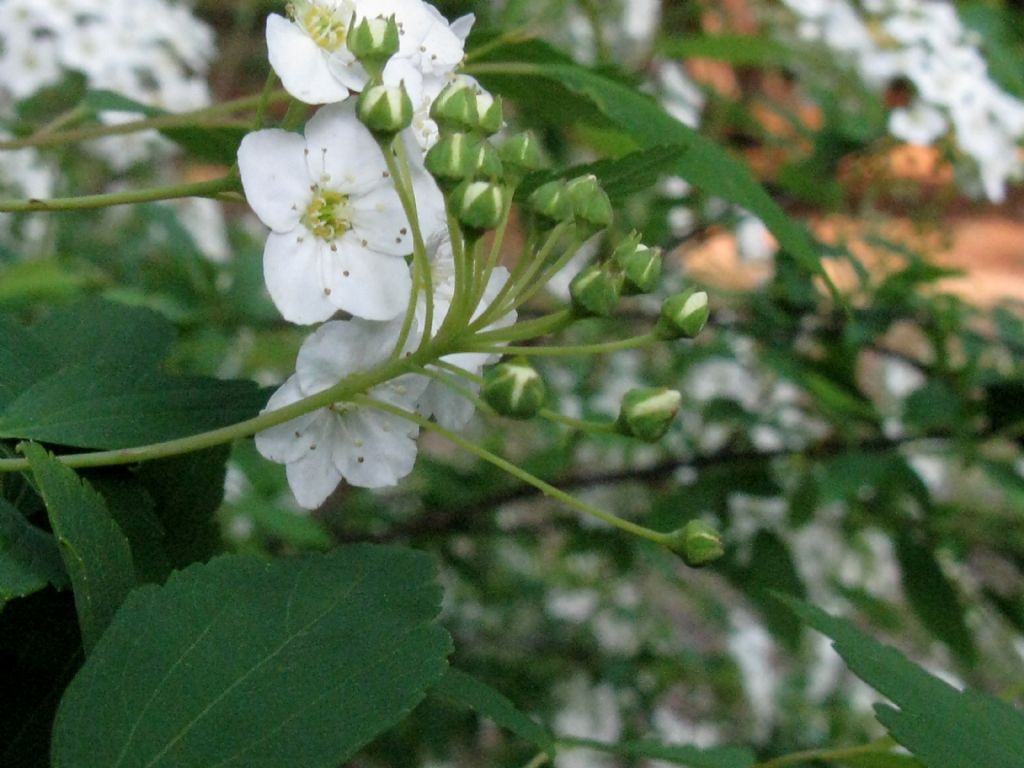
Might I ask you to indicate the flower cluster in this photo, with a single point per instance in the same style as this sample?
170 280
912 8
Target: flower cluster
377 213
359 227
923 42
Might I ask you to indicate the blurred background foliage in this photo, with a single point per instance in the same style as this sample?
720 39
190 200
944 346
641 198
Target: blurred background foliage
864 455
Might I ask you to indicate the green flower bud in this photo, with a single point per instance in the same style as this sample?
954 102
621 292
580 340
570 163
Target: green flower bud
479 205
641 267
697 543
648 412
595 291
373 42
490 113
626 247
590 204
384 109
454 109
683 315
523 153
514 389
459 156
551 202
490 166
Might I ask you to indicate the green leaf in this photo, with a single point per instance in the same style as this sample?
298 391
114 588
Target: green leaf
238 662
468 691
95 552
97 331
40 649
693 757
771 569
934 406
108 406
516 68
187 490
294 528
620 177
44 280
877 760
941 726
132 508
933 597
29 558
23 361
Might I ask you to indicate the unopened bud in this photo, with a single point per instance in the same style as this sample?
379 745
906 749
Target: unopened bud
454 109
641 266
551 203
683 315
590 204
595 291
489 112
514 389
648 412
385 109
373 42
523 153
479 205
697 543
460 156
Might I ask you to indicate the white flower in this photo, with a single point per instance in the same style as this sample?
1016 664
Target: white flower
449 408
310 53
339 235
920 124
366 447
426 39
754 241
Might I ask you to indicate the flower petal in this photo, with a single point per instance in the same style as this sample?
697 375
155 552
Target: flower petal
291 440
379 222
377 450
343 154
272 164
449 408
343 347
366 284
301 64
293 270
347 70
314 477
403 392
462 26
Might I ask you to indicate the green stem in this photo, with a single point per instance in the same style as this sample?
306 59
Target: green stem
538 760
210 188
633 342
528 329
549 272
593 14
580 425
882 746
495 252
522 273
452 384
259 119
401 176
518 472
194 118
345 389
67 117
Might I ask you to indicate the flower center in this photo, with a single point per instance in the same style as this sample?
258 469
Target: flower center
327 215
321 24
